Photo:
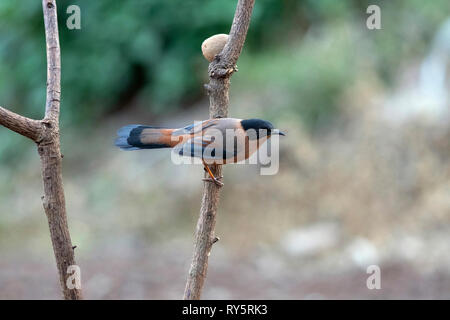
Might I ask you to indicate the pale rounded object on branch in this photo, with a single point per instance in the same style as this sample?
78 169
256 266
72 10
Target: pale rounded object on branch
214 45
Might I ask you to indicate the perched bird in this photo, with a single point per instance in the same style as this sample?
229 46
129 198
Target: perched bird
214 141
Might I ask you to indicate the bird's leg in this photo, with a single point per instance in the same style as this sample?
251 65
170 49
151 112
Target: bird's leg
212 179
218 178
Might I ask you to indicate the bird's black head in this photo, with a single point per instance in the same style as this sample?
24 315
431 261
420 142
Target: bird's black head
259 126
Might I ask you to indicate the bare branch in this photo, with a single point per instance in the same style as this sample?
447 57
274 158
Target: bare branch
51 158
46 134
220 71
22 125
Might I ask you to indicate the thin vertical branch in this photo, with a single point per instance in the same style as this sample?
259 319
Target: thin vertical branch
53 61
46 135
51 159
220 71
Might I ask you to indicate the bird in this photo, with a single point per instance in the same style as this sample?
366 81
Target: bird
214 141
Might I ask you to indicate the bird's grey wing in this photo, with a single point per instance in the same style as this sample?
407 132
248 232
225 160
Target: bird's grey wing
196 127
203 147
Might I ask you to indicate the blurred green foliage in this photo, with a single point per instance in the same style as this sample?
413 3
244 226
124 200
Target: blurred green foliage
308 73
145 51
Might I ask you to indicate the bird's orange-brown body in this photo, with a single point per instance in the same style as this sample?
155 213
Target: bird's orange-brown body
215 141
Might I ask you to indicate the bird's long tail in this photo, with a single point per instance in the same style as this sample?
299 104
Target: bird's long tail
135 137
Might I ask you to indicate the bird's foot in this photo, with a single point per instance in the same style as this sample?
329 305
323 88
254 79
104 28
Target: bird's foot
215 180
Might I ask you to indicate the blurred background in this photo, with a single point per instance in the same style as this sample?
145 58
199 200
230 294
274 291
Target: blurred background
364 169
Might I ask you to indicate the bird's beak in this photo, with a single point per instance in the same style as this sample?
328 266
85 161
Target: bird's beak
281 133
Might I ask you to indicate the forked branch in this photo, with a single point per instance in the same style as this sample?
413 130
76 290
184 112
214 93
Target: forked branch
46 135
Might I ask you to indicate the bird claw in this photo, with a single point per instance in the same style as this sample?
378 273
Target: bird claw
216 181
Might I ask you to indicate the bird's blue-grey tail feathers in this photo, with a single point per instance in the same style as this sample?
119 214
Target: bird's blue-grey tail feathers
135 137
